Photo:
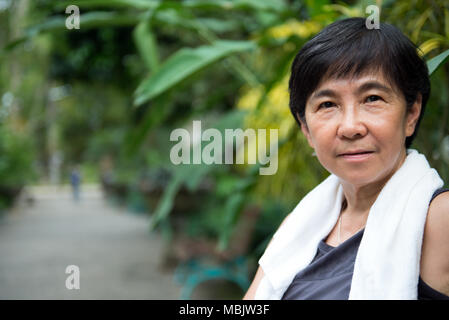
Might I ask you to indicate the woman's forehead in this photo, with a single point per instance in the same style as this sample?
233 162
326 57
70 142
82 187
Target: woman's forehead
358 82
354 79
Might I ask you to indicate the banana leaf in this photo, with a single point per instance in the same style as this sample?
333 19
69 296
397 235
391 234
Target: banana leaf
185 63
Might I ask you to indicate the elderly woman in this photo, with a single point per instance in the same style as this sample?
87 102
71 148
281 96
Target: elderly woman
378 226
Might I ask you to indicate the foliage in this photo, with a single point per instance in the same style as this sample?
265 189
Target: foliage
16 167
138 69
427 25
16 164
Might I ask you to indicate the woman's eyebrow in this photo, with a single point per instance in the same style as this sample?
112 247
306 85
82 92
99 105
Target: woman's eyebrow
369 85
373 85
324 93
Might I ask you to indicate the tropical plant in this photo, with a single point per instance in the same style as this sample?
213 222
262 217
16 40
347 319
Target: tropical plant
211 59
16 164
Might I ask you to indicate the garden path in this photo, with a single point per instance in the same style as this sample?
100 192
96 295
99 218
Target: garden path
117 256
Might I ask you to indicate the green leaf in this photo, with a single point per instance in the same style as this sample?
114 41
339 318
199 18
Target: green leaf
87 20
233 208
178 19
434 63
272 5
139 4
267 5
219 26
146 43
166 203
157 112
183 64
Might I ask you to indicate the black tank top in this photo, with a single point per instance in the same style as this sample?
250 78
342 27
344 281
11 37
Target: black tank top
329 275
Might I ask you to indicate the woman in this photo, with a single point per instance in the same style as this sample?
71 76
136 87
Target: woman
358 96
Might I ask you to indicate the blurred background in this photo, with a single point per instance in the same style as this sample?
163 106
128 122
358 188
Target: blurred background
85 120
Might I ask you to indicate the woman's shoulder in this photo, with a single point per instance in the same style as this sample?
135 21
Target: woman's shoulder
437 222
435 249
439 206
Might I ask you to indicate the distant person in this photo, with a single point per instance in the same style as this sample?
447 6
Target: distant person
75 181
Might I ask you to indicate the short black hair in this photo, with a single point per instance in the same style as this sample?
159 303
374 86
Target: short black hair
348 48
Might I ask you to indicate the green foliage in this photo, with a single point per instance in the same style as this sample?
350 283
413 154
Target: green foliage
146 43
437 61
16 164
16 167
89 20
199 59
427 25
192 175
183 64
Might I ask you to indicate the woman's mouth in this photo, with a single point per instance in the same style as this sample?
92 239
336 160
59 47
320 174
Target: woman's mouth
357 156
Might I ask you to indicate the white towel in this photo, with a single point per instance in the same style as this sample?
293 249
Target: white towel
388 259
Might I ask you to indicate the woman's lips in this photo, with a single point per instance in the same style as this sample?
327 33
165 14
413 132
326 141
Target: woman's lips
357 156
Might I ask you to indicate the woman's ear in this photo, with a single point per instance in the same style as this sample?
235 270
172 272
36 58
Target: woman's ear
413 116
305 130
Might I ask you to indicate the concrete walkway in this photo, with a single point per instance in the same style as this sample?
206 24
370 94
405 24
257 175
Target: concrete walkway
117 256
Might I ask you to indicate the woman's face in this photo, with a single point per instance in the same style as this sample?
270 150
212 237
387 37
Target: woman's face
364 114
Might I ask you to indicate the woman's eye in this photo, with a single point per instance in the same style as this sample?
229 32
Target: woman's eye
327 104
373 98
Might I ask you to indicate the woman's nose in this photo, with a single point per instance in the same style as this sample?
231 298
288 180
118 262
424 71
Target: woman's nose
351 124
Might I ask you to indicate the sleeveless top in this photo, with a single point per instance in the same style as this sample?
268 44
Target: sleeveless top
329 275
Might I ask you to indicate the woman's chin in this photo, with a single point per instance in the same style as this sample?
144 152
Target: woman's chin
358 180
